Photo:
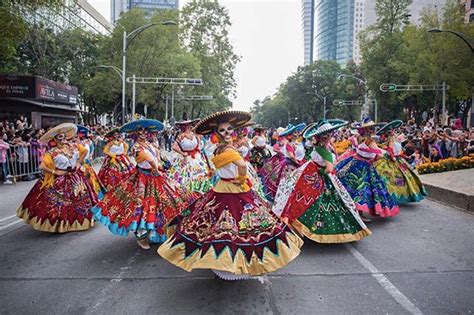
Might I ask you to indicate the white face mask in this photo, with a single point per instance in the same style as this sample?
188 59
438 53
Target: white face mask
225 131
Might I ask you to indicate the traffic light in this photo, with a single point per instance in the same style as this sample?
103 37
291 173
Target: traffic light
388 87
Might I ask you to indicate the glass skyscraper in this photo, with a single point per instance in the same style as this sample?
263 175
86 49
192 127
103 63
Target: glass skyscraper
333 30
119 6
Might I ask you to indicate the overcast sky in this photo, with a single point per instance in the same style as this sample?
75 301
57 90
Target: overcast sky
267 34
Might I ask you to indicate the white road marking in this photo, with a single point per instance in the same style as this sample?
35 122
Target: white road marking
106 291
7 218
9 224
384 282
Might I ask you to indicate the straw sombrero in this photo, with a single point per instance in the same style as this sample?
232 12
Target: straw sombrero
147 124
69 129
324 126
235 117
366 123
187 122
390 126
290 129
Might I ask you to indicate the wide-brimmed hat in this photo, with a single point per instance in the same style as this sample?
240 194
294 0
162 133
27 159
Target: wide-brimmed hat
307 127
111 132
147 124
390 126
324 126
235 117
189 122
366 123
83 129
290 129
69 129
259 127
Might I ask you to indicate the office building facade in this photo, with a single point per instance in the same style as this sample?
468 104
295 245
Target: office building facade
307 16
119 6
333 30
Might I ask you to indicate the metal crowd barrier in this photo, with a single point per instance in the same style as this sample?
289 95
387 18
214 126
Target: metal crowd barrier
23 161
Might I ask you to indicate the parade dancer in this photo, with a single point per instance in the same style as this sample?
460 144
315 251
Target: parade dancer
403 183
116 166
230 229
191 170
60 202
83 140
359 176
146 201
287 159
260 152
313 200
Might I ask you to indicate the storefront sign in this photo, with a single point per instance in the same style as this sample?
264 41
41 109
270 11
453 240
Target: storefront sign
17 86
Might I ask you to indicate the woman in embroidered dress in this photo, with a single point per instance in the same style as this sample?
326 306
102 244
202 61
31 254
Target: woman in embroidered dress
191 169
60 202
146 201
259 153
359 176
284 162
230 229
314 201
117 165
403 183
242 145
83 139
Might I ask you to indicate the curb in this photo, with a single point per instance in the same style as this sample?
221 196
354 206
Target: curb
450 197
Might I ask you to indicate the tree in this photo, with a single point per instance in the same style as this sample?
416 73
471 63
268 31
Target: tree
205 29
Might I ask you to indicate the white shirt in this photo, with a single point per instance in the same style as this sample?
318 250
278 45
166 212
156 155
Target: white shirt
188 144
63 162
117 149
229 171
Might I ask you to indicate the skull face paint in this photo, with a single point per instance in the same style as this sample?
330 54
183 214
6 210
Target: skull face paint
225 131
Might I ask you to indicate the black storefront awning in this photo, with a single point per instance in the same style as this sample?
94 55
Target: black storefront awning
11 101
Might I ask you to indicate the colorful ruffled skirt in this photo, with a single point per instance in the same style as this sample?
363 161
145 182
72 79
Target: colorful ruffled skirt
114 170
273 171
63 207
94 180
231 232
192 173
318 206
144 203
366 187
402 182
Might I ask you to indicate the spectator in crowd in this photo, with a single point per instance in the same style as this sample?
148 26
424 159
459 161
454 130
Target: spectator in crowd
4 146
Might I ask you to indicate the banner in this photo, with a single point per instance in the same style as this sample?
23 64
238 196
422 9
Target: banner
17 86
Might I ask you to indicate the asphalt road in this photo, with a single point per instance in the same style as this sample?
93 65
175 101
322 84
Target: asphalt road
419 262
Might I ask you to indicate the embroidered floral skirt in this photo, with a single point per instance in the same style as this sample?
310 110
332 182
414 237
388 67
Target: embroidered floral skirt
94 180
274 170
143 203
317 205
403 183
231 232
191 173
113 171
366 187
63 207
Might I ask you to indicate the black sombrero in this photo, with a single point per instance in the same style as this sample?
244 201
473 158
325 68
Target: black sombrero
389 126
112 132
236 118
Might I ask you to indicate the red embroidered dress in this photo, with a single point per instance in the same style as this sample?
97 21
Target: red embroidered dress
116 165
60 203
231 229
143 203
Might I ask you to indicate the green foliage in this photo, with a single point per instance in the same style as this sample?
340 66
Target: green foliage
301 97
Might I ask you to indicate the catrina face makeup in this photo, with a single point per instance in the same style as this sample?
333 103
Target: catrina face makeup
60 138
142 134
225 132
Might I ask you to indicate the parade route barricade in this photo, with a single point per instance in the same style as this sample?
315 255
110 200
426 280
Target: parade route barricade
455 188
23 161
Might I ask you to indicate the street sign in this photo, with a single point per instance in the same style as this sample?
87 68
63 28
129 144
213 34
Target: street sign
388 87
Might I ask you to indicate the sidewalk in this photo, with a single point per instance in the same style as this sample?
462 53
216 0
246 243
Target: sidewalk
455 188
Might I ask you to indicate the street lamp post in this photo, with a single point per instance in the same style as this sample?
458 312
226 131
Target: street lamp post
458 34
324 102
366 91
127 39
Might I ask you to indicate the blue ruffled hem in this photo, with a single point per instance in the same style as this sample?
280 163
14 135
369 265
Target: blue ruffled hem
113 227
